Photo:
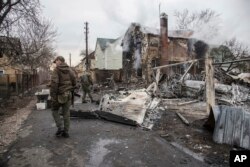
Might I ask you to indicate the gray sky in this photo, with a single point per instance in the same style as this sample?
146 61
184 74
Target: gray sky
111 18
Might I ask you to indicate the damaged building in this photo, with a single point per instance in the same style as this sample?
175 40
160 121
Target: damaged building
108 60
145 48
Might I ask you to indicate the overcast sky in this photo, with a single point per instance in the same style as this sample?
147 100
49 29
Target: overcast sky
111 18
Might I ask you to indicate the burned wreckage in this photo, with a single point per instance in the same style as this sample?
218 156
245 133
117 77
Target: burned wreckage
171 64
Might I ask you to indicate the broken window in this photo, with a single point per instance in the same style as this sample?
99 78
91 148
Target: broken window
139 72
155 62
1 53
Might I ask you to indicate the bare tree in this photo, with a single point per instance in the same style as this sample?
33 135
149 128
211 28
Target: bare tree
204 23
12 11
36 40
239 51
5 8
229 51
20 20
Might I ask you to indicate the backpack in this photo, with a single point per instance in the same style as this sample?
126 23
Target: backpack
85 80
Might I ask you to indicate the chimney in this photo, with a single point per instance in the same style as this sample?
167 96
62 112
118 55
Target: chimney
164 41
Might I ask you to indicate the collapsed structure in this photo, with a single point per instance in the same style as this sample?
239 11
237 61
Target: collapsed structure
172 65
145 48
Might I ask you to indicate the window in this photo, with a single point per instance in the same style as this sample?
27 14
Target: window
1 53
1 72
155 62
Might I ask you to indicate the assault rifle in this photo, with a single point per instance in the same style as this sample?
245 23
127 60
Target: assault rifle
74 93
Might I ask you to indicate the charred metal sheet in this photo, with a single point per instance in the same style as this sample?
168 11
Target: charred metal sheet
115 118
127 108
131 106
85 114
232 126
101 115
84 110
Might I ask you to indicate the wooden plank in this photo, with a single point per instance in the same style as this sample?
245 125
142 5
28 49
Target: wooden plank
228 62
184 120
188 102
175 64
210 91
183 76
157 78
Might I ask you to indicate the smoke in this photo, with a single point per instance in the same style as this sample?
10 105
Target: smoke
130 43
233 22
190 44
207 31
127 39
200 49
207 25
125 12
137 62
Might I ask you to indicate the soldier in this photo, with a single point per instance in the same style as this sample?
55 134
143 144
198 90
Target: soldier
86 87
63 82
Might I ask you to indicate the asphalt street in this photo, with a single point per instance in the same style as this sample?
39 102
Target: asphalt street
92 143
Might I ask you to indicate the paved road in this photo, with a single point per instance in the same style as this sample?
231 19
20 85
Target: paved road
92 143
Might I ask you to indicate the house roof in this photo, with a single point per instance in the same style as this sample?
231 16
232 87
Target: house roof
92 55
103 42
171 33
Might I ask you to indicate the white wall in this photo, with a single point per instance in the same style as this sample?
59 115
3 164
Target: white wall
113 56
110 58
99 57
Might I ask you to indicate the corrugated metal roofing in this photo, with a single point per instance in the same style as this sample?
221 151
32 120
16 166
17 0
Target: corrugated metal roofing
232 126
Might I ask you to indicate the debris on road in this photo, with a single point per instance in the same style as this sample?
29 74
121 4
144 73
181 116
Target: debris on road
136 105
184 120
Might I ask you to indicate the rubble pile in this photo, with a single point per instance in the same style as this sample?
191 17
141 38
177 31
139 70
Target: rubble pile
234 94
174 88
222 76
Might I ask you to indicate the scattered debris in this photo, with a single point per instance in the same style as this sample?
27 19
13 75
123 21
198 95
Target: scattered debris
184 120
164 135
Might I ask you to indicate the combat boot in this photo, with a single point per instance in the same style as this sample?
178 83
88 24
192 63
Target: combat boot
59 132
65 134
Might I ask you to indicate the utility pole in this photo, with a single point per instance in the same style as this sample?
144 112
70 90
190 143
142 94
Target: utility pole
70 59
86 38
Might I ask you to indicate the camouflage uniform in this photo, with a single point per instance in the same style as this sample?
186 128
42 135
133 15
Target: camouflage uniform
62 83
86 83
